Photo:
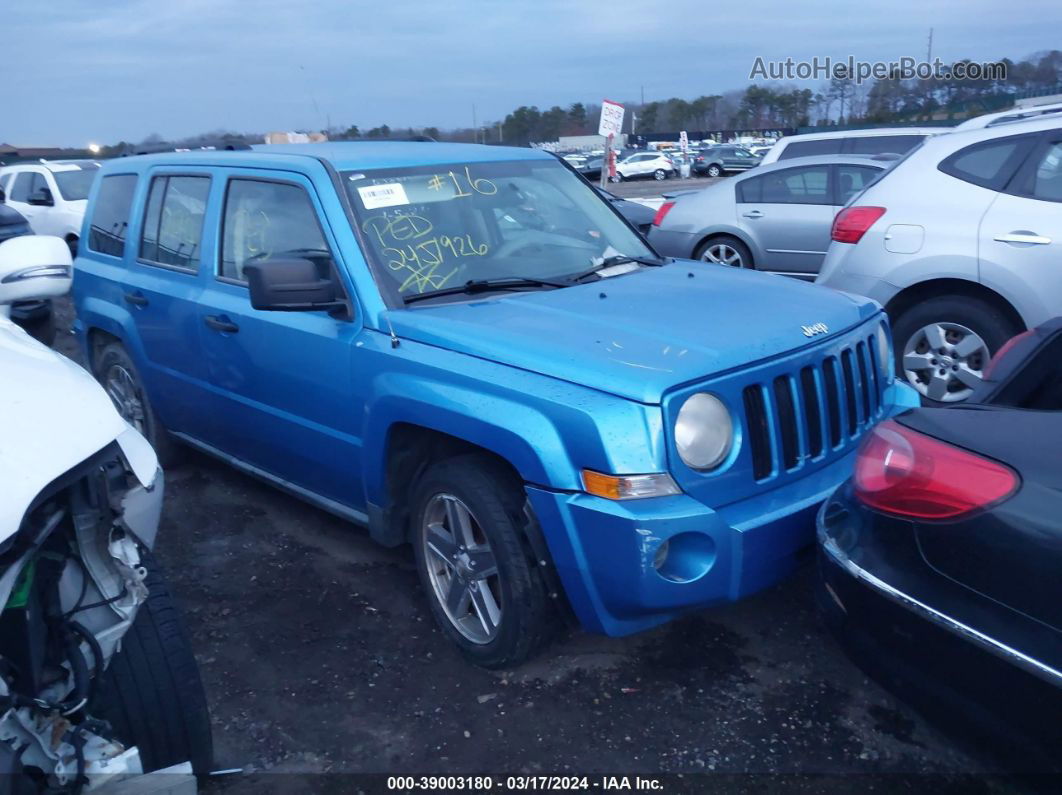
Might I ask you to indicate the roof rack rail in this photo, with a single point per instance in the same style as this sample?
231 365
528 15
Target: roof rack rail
1010 116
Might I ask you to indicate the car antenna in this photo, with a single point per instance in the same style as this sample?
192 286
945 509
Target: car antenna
394 337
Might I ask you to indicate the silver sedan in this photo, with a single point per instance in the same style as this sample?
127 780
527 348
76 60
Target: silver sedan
773 218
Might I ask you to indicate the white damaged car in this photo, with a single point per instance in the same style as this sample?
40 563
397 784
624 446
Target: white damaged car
97 677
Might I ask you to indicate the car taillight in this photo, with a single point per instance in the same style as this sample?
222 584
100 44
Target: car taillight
905 473
853 222
1007 346
665 208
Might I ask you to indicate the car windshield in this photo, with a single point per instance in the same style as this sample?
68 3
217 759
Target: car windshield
436 227
74 185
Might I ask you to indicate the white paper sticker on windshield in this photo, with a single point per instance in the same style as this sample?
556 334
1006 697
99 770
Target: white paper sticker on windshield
392 194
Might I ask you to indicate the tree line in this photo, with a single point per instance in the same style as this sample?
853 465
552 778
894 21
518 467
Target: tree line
839 101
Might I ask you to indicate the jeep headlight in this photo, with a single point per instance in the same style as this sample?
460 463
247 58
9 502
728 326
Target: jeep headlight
885 351
704 431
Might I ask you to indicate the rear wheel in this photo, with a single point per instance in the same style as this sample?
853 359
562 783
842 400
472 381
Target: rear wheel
120 378
725 250
714 170
943 345
659 174
151 693
483 586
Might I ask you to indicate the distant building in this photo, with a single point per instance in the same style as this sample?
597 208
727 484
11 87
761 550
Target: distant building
9 153
294 138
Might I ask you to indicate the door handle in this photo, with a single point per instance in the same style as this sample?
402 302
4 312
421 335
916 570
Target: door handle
1023 237
136 299
221 323
753 214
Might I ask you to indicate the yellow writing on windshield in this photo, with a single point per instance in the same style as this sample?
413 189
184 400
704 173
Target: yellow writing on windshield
410 252
472 185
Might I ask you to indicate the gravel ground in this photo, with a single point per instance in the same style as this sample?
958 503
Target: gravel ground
319 654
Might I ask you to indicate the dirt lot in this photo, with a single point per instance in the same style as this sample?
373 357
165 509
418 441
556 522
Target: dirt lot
319 655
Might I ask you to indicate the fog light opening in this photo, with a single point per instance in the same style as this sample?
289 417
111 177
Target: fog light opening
685 557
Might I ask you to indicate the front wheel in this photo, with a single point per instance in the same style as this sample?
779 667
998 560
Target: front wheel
943 345
483 586
151 693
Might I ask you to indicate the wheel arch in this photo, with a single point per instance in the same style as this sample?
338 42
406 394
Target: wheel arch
410 450
934 288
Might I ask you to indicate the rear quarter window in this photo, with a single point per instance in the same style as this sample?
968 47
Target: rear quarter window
989 164
110 215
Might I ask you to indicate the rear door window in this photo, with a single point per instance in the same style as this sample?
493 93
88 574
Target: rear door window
20 190
824 146
852 179
1045 179
807 185
173 221
110 214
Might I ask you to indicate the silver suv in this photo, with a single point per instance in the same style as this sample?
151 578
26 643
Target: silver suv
962 243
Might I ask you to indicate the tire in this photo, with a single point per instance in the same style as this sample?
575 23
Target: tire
617 178
494 501
659 174
710 246
71 242
954 316
714 170
143 417
151 693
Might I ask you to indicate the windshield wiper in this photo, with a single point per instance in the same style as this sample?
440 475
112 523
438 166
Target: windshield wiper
617 259
486 285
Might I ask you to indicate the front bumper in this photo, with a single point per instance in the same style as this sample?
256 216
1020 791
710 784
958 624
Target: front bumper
606 552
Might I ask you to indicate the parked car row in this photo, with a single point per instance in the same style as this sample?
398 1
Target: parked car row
958 238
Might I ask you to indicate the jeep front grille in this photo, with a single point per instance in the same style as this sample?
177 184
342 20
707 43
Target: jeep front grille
803 415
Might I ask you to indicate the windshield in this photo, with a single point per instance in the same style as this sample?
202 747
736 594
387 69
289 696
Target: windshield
74 185
435 227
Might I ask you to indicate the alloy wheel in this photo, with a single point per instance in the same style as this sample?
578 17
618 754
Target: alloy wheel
124 393
462 568
723 254
945 361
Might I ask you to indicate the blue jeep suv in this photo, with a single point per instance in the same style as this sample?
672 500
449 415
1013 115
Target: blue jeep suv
465 348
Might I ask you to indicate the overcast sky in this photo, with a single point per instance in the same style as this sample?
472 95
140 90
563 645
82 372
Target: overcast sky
109 70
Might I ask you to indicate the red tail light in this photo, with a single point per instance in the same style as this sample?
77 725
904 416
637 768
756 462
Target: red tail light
665 208
992 365
853 222
905 473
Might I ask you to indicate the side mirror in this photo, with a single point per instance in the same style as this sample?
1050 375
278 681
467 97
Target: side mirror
289 285
41 198
34 267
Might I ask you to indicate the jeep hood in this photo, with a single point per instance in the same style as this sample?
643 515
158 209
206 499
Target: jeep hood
53 416
640 334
